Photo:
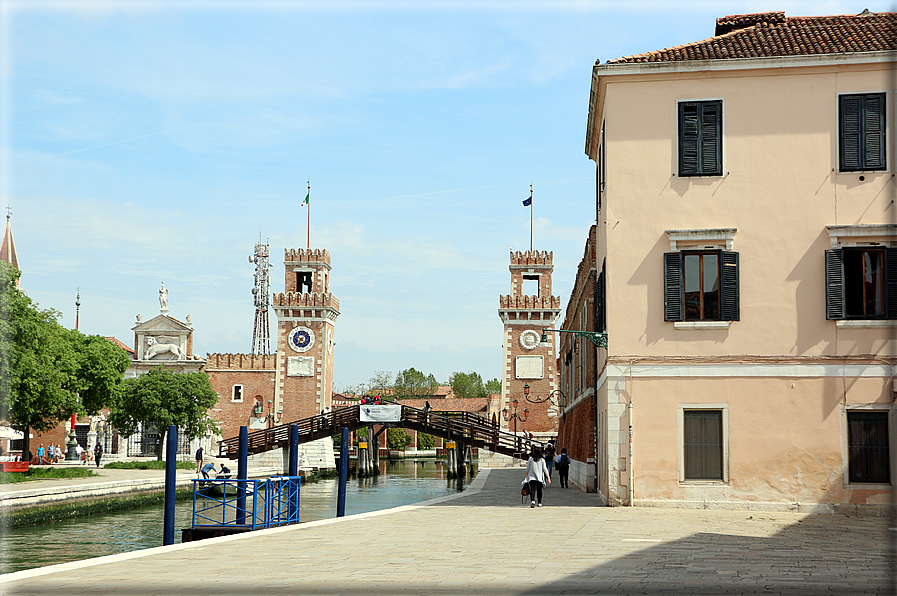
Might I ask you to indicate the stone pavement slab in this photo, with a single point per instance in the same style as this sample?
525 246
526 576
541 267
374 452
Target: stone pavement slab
484 542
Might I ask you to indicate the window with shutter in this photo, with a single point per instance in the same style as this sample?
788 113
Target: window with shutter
861 283
703 444
861 131
868 455
601 302
701 286
701 138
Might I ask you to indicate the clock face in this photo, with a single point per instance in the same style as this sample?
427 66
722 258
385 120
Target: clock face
301 339
529 339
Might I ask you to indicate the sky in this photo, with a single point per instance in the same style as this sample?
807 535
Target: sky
151 141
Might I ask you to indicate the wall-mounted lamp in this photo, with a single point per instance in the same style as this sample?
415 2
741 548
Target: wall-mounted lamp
599 339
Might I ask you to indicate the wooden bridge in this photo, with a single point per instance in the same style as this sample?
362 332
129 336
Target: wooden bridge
461 427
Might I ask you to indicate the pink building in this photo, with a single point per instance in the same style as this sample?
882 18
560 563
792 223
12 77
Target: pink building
744 267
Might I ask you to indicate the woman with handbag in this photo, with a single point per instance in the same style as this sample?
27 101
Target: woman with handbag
537 476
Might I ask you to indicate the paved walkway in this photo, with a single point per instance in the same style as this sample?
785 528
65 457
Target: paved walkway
484 542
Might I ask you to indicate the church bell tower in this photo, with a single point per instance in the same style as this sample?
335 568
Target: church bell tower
306 313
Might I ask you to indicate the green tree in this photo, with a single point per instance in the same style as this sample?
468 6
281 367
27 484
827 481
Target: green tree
48 372
413 384
397 438
493 386
467 384
425 441
162 397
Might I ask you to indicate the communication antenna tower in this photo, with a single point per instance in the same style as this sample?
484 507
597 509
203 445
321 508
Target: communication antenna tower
261 343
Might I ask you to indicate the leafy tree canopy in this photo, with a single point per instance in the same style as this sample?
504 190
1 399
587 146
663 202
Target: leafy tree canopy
425 441
162 397
493 386
397 438
411 384
48 372
467 385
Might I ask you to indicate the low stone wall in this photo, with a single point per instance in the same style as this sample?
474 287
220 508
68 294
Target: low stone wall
490 459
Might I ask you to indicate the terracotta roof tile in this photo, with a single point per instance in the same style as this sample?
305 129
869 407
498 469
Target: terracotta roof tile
121 345
770 34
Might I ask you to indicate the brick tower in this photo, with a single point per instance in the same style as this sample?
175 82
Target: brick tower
306 312
525 362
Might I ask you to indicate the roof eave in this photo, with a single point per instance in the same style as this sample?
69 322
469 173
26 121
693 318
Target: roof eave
730 64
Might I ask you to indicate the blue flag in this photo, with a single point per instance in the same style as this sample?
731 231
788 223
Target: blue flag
528 202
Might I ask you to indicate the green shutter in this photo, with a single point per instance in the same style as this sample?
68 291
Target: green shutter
711 138
688 139
874 131
701 138
834 284
891 283
673 299
601 302
862 127
730 295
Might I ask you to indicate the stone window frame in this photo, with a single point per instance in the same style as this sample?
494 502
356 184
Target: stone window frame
702 240
236 390
841 237
891 409
724 408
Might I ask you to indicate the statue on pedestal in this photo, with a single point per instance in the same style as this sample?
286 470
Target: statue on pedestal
163 299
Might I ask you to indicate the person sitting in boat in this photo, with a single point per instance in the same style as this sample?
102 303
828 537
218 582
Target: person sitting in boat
224 472
209 467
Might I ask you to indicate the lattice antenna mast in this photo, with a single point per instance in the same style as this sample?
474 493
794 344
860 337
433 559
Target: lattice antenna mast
261 293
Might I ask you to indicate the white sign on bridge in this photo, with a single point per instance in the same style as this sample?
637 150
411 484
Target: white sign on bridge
382 413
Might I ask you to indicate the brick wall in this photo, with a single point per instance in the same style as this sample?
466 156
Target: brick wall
256 374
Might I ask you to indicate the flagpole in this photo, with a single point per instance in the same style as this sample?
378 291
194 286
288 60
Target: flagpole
531 218
308 204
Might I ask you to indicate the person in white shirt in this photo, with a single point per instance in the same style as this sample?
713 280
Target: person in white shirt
537 476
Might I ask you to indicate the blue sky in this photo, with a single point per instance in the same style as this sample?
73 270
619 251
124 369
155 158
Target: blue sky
143 142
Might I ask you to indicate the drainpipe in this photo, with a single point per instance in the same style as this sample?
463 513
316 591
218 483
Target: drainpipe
631 472
595 427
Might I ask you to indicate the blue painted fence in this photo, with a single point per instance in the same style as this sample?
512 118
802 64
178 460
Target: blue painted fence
246 504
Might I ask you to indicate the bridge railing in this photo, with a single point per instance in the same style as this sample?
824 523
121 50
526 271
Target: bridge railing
266 439
470 428
465 427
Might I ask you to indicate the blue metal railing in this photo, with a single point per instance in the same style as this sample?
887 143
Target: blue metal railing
220 503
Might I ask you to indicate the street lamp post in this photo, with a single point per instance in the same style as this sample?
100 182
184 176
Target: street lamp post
514 415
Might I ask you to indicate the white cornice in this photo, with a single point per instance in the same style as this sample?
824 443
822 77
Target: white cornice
707 236
836 233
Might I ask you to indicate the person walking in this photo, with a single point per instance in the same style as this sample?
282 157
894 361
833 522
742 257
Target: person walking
40 454
537 476
198 460
563 464
97 454
549 457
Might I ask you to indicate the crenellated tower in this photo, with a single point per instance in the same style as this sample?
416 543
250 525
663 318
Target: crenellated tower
306 313
526 361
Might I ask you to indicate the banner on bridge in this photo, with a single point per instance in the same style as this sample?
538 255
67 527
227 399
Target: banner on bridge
382 413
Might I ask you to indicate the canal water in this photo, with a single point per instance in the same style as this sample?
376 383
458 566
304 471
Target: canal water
400 483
